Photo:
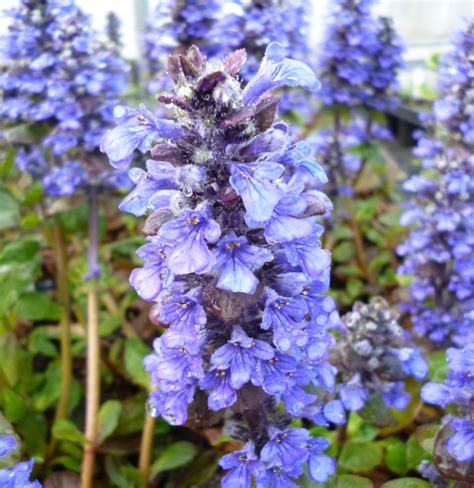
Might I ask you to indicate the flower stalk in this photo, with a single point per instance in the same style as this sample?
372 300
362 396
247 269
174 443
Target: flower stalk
93 346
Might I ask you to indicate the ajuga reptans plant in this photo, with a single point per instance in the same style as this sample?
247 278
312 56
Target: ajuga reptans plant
233 260
439 252
63 81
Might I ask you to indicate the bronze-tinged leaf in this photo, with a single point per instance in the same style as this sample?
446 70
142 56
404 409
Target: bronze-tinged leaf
234 61
229 306
167 152
196 58
238 117
174 100
210 81
265 112
174 67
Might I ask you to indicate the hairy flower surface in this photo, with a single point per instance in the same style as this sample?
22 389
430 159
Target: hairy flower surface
17 476
375 358
233 259
60 77
439 253
457 391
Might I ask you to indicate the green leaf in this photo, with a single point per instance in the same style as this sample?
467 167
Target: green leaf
343 252
360 457
9 210
415 453
352 481
426 436
174 456
8 163
40 343
11 358
21 251
65 430
438 366
37 306
109 415
396 456
13 405
33 194
135 351
406 483
375 412
360 431
33 430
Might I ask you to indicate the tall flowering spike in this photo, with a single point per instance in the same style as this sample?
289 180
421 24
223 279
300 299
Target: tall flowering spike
18 476
266 21
176 25
455 107
439 252
375 357
360 57
61 76
457 391
233 263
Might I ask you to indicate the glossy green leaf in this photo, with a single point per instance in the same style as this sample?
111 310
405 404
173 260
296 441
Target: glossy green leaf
174 456
65 430
37 306
407 483
396 456
109 415
360 457
135 351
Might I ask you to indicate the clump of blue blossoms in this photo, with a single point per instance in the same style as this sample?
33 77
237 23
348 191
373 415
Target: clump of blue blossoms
455 107
438 254
233 260
358 65
458 392
374 357
61 79
359 58
17 476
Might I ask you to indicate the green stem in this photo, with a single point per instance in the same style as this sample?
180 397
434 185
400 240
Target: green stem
65 324
93 347
146 446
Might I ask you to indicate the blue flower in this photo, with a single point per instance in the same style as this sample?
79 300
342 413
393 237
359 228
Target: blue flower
149 280
320 466
7 444
287 448
277 71
221 393
236 260
188 235
240 356
254 182
137 129
242 465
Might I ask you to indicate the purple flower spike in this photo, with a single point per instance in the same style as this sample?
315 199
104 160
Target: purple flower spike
246 324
